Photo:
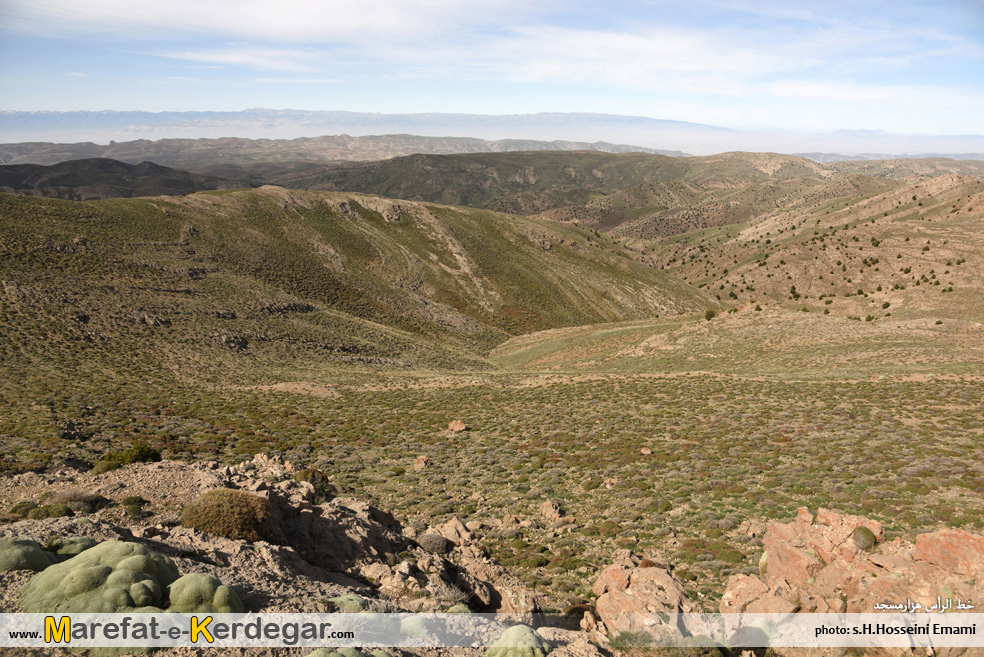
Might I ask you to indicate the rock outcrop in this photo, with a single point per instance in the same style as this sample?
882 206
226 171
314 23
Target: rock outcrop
633 593
828 564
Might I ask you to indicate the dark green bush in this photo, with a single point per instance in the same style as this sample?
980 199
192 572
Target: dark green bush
21 509
864 538
136 453
105 466
50 511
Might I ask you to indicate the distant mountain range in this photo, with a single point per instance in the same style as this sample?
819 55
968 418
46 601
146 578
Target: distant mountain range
231 152
647 133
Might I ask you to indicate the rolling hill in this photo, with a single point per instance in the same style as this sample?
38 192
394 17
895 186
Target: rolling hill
631 195
261 156
101 178
252 285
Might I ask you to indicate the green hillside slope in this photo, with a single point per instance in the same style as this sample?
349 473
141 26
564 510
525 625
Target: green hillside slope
250 284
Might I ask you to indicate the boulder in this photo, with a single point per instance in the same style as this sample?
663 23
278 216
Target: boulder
952 550
631 597
550 511
456 426
492 587
829 564
454 531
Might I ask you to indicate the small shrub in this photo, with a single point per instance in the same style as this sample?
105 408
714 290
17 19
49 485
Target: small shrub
136 453
625 641
315 477
230 513
709 315
448 594
433 543
79 501
864 538
50 511
133 505
21 509
105 466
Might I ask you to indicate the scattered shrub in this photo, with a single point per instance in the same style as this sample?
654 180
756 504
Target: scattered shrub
230 513
78 500
433 543
50 511
136 453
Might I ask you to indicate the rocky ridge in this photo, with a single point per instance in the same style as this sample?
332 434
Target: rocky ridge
328 552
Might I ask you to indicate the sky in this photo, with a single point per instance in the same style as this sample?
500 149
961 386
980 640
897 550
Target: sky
905 66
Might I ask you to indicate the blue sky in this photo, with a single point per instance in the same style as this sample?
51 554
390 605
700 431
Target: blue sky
904 66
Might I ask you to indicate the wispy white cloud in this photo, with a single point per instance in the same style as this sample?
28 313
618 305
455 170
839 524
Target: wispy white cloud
295 20
76 74
764 58
299 80
275 59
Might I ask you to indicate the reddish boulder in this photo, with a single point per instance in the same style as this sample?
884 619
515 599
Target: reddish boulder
952 549
632 598
823 568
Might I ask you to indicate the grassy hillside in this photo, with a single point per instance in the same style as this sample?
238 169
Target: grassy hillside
100 178
346 331
532 182
834 286
632 195
228 284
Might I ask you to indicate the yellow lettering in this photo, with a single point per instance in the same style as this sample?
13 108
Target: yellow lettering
200 628
59 632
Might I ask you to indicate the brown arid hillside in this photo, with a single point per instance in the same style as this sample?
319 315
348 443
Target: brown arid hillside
914 250
633 195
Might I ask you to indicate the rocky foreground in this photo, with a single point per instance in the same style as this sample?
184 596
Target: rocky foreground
261 537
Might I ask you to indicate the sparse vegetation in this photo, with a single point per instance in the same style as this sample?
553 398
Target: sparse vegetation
354 335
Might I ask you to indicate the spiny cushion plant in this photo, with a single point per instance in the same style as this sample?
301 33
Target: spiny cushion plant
23 554
519 641
110 577
70 545
230 513
201 592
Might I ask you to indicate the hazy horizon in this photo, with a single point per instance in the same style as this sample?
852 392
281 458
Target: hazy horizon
910 67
